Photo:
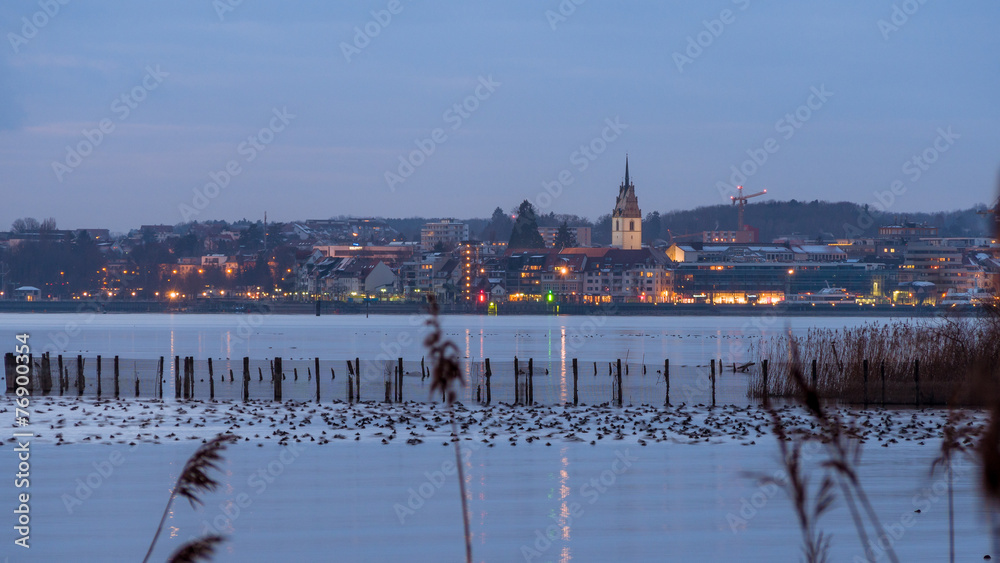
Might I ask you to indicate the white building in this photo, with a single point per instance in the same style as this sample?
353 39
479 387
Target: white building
447 232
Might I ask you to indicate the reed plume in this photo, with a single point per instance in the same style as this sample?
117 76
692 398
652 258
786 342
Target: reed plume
201 549
446 376
193 481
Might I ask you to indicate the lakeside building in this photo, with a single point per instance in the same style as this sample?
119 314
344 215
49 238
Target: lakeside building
581 234
773 282
393 254
445 234
907 230
589 275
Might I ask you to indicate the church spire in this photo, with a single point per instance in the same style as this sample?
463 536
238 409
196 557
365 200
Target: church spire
626 171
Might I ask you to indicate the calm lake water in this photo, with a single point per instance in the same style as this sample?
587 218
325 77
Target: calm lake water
552 342
342 502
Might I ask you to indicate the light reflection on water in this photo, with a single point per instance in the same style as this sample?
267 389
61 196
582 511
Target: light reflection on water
671 504
547 338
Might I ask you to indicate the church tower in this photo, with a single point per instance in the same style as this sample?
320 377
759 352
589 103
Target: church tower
626 219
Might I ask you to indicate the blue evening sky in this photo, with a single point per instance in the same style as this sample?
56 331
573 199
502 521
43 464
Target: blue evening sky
536 86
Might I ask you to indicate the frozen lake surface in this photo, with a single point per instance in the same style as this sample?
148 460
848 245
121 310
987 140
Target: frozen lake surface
366 502
555 499
590 338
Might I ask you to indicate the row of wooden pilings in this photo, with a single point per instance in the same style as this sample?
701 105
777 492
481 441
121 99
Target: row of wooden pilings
525 395
43 377
184 378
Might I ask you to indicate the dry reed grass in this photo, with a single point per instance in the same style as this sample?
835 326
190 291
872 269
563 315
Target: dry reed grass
948 352
446 376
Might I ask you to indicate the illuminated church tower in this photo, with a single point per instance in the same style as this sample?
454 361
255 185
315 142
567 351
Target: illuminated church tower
626 219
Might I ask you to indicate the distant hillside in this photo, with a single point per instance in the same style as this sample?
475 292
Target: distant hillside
815 219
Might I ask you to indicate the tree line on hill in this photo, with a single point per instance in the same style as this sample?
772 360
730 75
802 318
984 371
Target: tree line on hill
815 220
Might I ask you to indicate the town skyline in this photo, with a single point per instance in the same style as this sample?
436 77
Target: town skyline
122 117
879 217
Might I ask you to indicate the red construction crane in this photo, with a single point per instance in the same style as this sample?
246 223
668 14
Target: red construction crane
740 200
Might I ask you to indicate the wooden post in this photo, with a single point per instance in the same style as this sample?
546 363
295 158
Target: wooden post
246 381
177 377
295 371
8 372
159 376
489 375
713 381
317 380
666 378
211 372
618 381
357 379
517 391
814 376
187 380
80 381
98 376
47 373
864 368
117 389
388 388
136 386
421 368
350 386
530 383
576 392
595 369
59 360
916 380
260 374
399 381
763 372
277 379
